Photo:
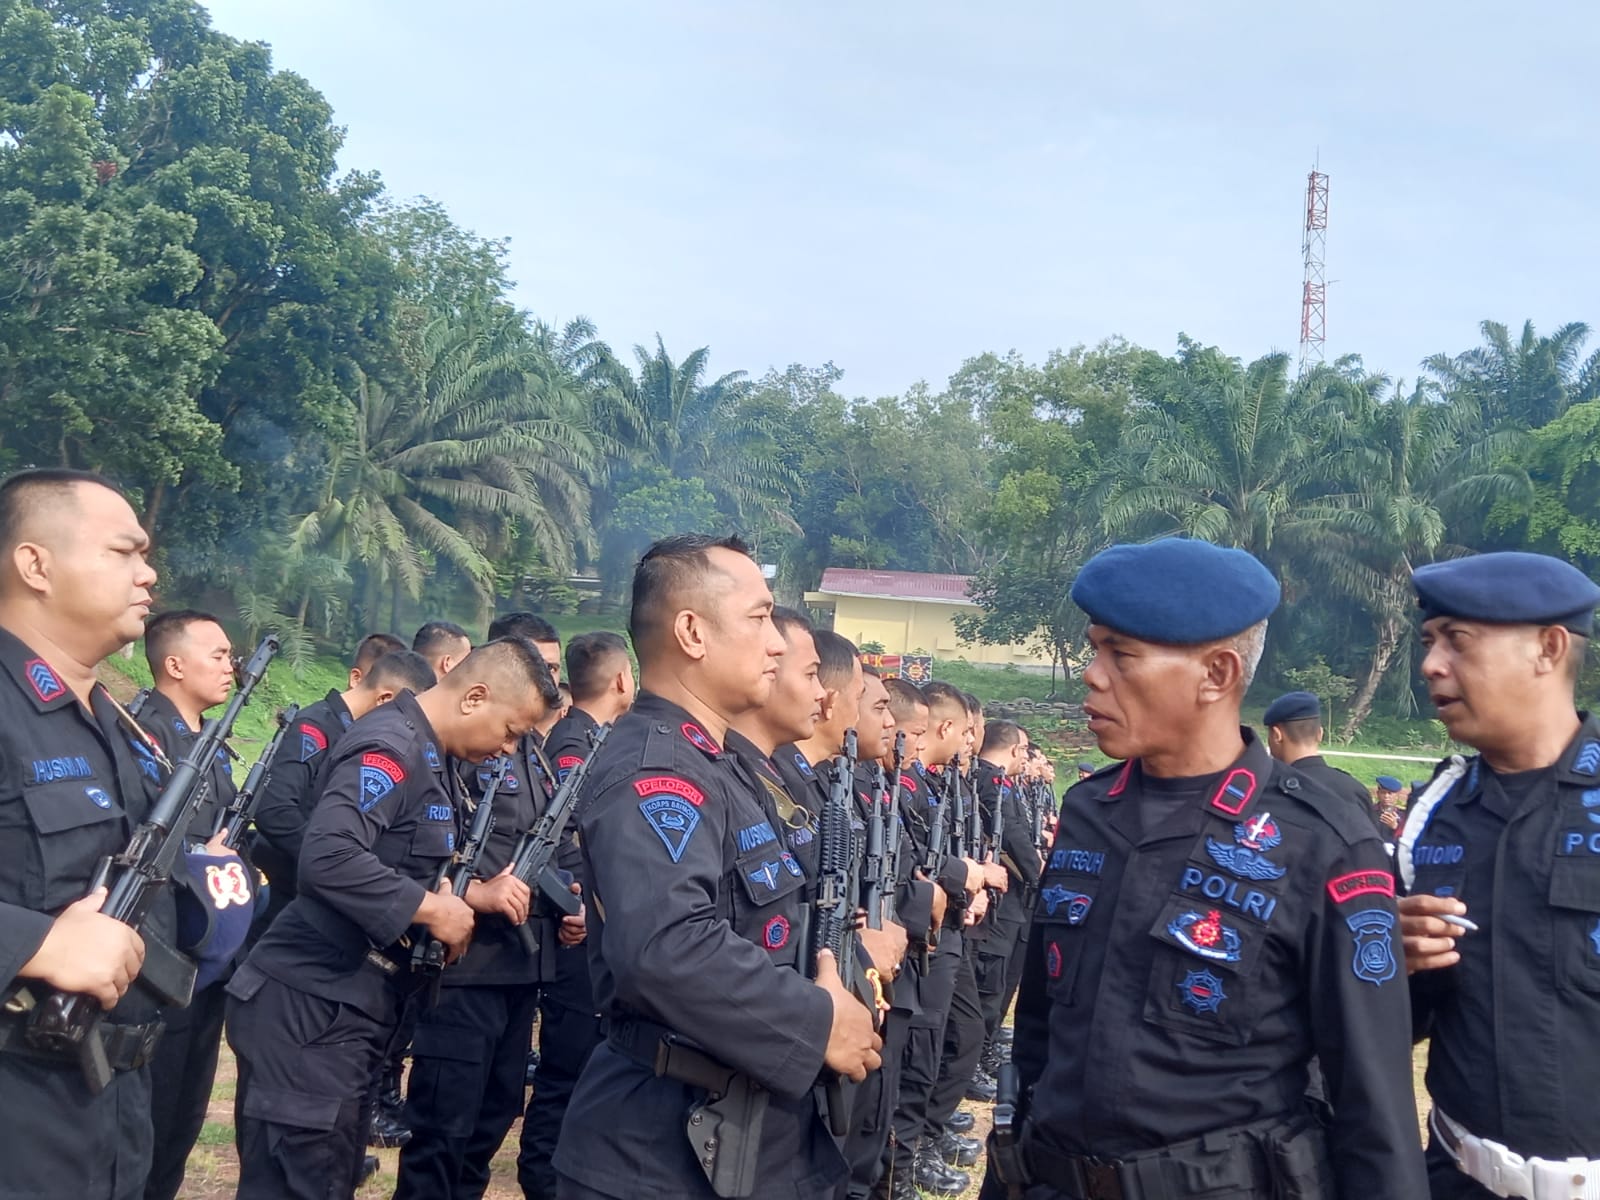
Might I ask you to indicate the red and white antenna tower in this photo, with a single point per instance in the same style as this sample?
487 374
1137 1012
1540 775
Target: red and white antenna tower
1314 292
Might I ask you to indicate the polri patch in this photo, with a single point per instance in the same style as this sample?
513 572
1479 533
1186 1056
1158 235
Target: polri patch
1361 883
1374 952
664 785
1205 934
1201 992
700 739
380 774
312 742
1076 904
148 766
45 682
1246 858
673 818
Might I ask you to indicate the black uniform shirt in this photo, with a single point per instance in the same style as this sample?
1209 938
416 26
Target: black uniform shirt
1516 1023
1179 979
171 732
1018 853
694 925
72 788
291 790
566 748
386 820
1344 785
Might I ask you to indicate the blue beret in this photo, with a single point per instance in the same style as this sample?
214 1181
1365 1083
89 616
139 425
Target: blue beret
1389 783
1181 591
1509 587
1086 766
1293 706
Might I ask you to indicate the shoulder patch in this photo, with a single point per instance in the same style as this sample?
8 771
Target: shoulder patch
674 820
907 784
312 742
670 785
1373 960
45 682
380 775
700 739
567 761
1587 760
1361 883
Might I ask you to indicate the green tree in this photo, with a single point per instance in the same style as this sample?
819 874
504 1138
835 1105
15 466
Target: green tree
1526 383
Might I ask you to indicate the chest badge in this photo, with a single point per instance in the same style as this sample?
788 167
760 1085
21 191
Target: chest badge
1076 903
1247 857
1206 935
1201 991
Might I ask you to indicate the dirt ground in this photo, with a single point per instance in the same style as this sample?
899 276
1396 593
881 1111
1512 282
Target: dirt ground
214 1168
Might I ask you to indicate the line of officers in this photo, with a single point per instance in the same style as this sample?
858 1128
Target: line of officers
1210 958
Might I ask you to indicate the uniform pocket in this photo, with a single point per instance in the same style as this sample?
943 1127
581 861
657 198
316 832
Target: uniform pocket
1202 980
77 824
768 876
433 840
1062 944
1575 912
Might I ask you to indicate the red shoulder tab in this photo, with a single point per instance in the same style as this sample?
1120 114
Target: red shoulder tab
1235 792
567 761
1361 883
385 764
700 739
669 785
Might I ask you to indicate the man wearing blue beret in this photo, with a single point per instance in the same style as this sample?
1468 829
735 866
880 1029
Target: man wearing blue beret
1208 923
1294 735
1500 857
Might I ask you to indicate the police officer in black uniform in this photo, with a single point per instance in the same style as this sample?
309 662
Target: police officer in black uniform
1294 733
1001 759
74 587
291 790
1508 840
311 1012
1208 921
715 1042
191 664
470 1047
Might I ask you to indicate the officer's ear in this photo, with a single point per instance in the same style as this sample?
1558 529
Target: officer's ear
691 631
475 697
1554 646
384 696
355 678
173 666
1222 672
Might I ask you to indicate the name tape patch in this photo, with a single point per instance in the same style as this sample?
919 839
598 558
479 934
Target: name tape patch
670 785
1361 883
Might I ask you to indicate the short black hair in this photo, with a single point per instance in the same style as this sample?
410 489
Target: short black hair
974 705
165 630
516 661
398 669
905 697
938 694
838 655
373 647
435 635
869 669
24 492
788 619
1000 735
591 662
668 569
527 625
1301 729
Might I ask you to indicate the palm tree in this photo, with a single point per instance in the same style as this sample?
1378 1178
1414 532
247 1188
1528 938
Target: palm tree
483 442
1527 384
1411 464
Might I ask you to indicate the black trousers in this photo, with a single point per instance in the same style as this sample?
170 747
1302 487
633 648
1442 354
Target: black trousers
872 1115
569 1030
920 1061
963 1046
63 1143
468 1068
305 1094
998 970
181 1075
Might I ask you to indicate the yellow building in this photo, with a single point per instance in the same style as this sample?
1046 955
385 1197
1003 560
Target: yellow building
908 612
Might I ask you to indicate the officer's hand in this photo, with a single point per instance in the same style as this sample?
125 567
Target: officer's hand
216 847
504 894
852 1045
1390 817
886 947
977 909
89 952
1429 942
575 928
449 918
940 901
974 882
996 876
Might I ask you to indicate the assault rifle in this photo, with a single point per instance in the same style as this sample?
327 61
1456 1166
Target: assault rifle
876 882
894 836
66 1024
833 922
531 860
235 819
428 953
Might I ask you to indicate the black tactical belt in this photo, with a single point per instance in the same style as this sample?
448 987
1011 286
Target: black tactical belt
1228 1158
128 1047
668 1054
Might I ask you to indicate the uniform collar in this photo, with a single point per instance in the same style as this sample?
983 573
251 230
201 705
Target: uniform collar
1310 760
583 718
1580 762
672 718
406 703
341 710
36 679
1236 789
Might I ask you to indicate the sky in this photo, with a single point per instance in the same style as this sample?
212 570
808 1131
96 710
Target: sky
897 187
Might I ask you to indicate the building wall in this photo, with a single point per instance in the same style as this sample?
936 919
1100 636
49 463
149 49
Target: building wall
904 626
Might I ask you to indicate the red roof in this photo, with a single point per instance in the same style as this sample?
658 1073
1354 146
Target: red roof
896 585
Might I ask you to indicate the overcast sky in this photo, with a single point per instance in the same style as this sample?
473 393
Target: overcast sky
899 186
